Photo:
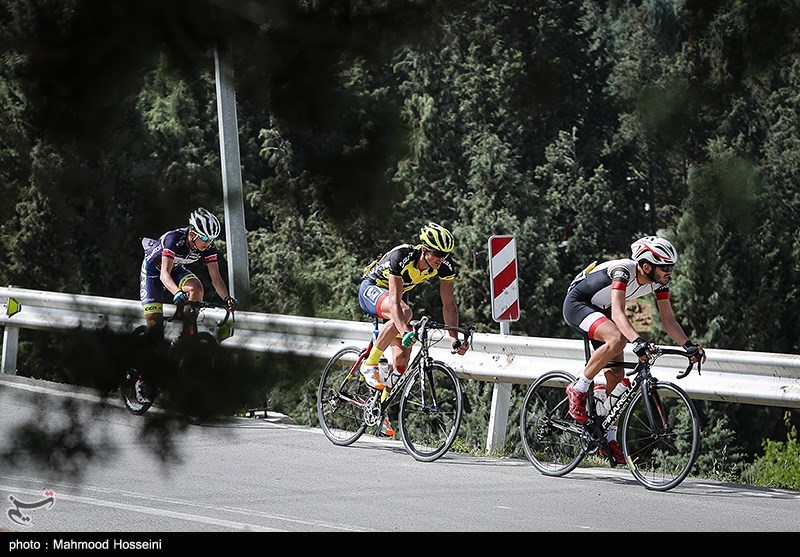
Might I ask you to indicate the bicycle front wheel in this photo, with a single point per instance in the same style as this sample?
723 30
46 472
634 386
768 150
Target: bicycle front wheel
430 411
660 436
342 398
133 372
551 438
195 392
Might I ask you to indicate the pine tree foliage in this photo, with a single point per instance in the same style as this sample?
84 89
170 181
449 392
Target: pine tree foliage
574 125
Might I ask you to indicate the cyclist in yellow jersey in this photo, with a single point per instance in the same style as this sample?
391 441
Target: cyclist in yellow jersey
382 294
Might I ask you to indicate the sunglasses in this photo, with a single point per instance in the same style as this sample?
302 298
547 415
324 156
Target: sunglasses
440 254
666 268
202 238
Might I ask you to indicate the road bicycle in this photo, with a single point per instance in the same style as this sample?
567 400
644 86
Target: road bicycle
181 368
660 428
429 395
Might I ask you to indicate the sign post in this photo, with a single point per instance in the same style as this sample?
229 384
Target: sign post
505 308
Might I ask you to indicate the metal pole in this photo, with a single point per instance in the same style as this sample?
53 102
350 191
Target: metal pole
501 403
235 232
10 344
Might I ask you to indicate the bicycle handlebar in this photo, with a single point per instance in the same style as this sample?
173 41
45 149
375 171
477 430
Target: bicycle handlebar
422 325
200 304
685 354
659 351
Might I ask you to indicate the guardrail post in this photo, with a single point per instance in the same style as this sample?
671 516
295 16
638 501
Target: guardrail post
10 343
501 401
498 420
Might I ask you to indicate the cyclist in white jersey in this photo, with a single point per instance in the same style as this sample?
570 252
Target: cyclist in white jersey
595 307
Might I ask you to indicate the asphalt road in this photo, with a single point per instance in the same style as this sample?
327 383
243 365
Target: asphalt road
122 474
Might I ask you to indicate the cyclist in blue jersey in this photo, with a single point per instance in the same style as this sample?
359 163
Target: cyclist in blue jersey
382 293
163 268
595 307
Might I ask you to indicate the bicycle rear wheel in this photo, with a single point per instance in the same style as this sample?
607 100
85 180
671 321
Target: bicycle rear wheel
132 373
342 397
430 411
661 436
551 438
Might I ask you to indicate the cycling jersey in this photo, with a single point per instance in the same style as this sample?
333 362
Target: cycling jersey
588 300
401 261
174 245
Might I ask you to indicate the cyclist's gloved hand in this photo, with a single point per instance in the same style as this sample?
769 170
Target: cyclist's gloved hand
408 338
231 303
695 351
180 297
641 347
460 347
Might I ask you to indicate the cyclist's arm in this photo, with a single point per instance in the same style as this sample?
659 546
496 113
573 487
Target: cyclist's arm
674 329
671 325
450 310
216 279
167 264
618 315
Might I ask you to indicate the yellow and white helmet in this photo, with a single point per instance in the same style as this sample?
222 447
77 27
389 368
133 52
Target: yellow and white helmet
437 237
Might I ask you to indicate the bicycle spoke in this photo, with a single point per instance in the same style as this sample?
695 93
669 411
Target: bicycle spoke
661 445
342 398
430 412
551 439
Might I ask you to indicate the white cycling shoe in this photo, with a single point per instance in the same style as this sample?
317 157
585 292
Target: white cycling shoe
372 376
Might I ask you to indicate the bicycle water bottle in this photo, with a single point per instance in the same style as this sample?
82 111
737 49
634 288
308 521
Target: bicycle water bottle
613 397
383 368
392 378
600 399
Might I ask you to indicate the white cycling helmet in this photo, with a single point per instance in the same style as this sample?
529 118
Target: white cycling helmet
655 250
204 223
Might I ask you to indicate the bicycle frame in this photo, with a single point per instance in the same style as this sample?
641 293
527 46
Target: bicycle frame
186 346
642 379
428 396
420 363
659 425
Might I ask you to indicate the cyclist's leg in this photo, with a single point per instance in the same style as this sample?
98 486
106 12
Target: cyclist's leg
369 297
150 292
595 324
389 333
400 354
188 282
143 354
374 300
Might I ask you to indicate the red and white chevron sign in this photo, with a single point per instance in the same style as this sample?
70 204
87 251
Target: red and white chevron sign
503 272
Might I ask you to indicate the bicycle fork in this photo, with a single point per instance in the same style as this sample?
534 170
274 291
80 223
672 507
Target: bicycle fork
654 409
427 387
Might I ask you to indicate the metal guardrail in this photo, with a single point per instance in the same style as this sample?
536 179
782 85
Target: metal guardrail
729 376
